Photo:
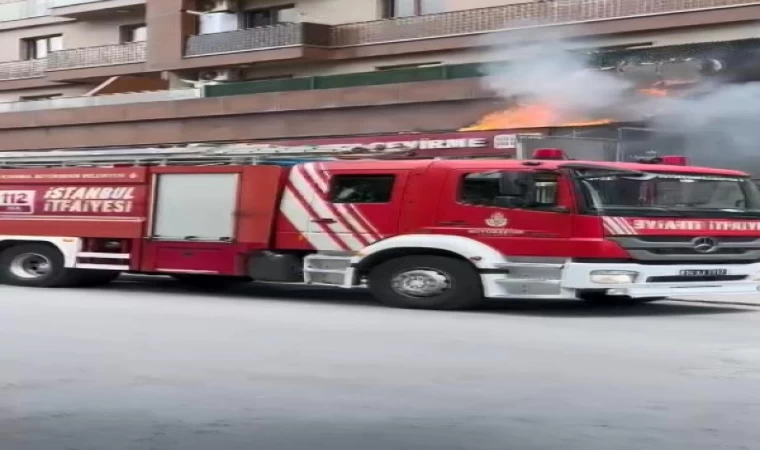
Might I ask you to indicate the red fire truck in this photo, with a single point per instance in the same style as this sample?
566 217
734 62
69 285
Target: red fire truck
428 233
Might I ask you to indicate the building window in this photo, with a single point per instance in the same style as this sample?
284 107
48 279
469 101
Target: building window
34 98
405 8
40 47
361 188
134 33
269 16
218 23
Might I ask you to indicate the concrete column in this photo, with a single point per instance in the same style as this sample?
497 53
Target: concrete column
168 28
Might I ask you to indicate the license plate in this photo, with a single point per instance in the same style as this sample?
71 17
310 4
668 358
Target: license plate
703 272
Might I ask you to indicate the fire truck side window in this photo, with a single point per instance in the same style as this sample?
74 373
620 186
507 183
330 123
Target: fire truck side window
361 188
482 189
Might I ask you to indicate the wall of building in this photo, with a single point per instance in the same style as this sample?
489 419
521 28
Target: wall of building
75 34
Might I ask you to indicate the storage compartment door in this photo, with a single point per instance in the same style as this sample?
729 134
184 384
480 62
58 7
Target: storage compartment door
195 206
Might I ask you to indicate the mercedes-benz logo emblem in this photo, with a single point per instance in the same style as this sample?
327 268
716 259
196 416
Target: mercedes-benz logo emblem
704 244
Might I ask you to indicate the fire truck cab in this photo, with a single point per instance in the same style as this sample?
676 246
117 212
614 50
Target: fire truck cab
435 234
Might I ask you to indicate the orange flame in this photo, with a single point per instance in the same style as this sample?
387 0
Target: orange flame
530 116
654 92
543 116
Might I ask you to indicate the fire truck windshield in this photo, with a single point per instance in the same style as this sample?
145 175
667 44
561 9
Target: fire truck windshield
661 194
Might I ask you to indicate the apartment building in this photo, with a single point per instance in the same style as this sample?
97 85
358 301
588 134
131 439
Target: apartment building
58 52
64 48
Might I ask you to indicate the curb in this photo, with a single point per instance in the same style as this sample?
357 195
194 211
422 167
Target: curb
716 302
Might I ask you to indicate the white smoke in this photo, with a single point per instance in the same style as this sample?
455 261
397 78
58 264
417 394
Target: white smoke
721 122
542 68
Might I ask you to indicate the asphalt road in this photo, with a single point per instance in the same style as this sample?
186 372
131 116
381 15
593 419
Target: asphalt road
158 367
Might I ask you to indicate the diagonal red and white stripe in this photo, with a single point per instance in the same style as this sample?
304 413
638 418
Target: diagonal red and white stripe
618 226
306 199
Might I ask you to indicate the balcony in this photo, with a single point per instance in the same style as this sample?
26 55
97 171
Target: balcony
104 55
451 24
101 100
83 9
64 3
514 16
22 70
23 9
261 38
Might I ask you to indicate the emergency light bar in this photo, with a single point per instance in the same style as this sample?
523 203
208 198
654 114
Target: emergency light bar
670 160
549 153
675 160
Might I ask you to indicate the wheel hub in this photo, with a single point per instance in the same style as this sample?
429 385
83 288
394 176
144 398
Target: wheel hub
30 266
421 283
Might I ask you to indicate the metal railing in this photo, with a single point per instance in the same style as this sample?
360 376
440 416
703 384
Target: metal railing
101 100
19 70
64 3
24 9
513 16
274 36
104 55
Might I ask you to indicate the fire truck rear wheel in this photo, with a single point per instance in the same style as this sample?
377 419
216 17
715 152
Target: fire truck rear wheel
426 282
33 265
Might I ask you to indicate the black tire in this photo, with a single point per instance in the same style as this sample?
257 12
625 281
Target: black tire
210 282
22 265
465 289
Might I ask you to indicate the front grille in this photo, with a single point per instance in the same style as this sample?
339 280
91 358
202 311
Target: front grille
691 251
685 239
682 279
648 249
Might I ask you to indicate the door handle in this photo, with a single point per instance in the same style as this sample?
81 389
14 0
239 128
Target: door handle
453 222
323 220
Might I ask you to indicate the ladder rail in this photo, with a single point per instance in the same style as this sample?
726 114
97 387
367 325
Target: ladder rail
190 155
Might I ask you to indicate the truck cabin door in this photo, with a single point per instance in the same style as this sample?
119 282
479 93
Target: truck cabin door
350 209
495 208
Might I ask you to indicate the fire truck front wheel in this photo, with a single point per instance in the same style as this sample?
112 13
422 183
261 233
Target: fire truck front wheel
426 282
34 265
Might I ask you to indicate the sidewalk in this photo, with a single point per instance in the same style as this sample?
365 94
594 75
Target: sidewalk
743 300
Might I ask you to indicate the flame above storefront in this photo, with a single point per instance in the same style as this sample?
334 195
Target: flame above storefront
537 115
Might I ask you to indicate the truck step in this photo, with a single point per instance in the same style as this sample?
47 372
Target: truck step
322 269
313 270
527 280
509 265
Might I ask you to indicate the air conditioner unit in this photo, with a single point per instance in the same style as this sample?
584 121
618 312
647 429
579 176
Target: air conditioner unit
219 75
217 6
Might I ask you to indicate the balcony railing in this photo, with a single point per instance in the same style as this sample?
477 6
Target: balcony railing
512 16
24 9
104 55
19 70
64 3
101 100
472 21
275 36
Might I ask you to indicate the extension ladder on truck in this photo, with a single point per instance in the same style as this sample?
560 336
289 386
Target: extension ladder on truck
211 154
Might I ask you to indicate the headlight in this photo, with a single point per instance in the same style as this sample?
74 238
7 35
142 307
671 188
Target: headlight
613 276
